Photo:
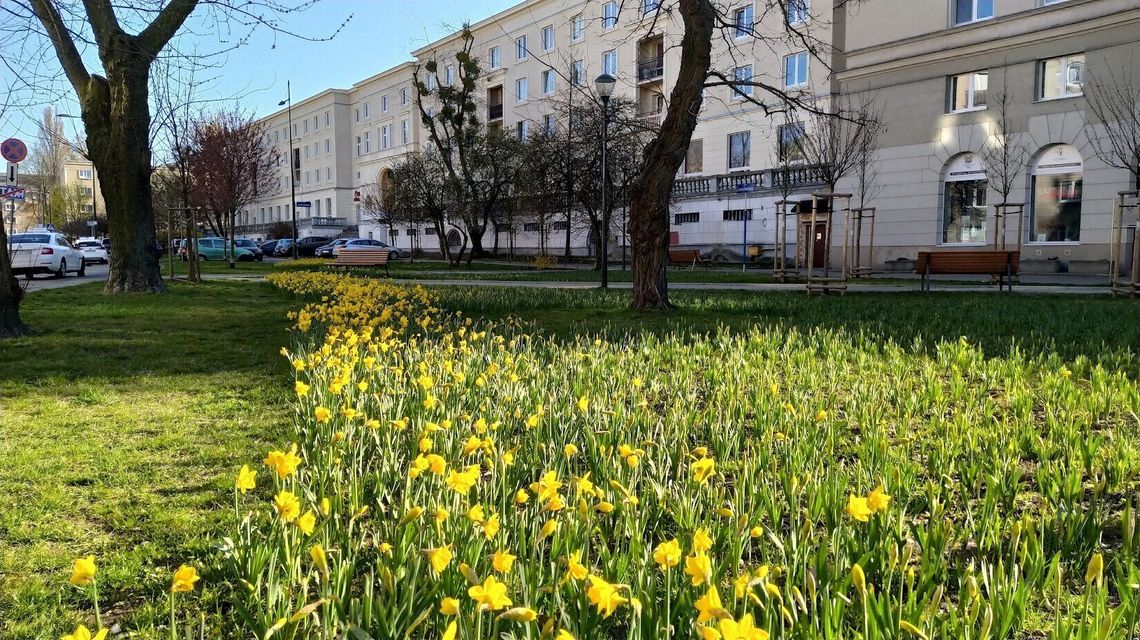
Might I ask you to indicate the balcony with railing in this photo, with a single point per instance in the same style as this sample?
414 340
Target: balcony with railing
766 181
650 69
494 112
329 222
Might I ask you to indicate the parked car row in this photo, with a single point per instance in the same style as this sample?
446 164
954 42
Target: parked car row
45 252
215 249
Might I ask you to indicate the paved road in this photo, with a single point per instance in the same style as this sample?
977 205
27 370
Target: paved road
95 273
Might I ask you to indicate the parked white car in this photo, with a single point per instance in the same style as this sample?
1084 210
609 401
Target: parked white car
45 252
93 251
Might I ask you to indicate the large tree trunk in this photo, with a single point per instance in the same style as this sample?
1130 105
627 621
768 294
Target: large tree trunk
10 294
649 191
117 119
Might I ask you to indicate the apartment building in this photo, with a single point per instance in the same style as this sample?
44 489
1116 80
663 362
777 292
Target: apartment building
928 64
939 72
79 177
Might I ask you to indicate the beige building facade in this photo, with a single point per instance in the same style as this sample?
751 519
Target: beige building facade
929 65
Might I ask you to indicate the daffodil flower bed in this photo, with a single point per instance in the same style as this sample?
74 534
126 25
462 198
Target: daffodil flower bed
452 478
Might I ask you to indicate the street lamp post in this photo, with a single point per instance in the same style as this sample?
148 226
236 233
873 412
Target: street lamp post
292 181
605 87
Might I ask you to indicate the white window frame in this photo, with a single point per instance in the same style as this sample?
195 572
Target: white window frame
356 115
747 150
384 103
404 96
973 13
367 142
802 63
609 21
743 73
970 98
328 119
578 73
449 75
521 90
404 131
549 82
495 58
577 28
367 115
609 62
521 51
1066 63
84 174
386 136
549 123
548 38
799 12
747 12
649 7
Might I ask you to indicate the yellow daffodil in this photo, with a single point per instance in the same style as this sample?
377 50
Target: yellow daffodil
878 500
83 633
519 614
756 531
709 606
306 523
702 541
184 579
667 554
439 558
699 568
502 561
283 463
287 505
574 568
521 497
491 527
1094 572
449 607
912 630
583 404
859 580
703 469
570 450
462 481
744 629
548 529
604 596
83 571
491 595
246 479
858 508
320 558
449 632
322 414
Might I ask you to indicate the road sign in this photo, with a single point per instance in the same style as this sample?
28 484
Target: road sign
92 223
13 150
7 189
15 194
304 204
12 169
745 187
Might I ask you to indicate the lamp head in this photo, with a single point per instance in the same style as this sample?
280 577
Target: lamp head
604 84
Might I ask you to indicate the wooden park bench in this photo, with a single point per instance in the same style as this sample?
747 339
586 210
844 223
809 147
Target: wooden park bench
1002 265
690 257
363 258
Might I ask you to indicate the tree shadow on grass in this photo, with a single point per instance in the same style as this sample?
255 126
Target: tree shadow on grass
1069 326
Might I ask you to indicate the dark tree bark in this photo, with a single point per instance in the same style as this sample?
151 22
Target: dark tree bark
649 191
11 325
116 115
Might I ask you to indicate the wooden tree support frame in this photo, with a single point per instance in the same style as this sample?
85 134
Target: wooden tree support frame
1002 212
826 283
784 208
1124 278
854 236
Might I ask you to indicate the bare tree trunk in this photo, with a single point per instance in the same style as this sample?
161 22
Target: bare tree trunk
117 118
10 294
649 191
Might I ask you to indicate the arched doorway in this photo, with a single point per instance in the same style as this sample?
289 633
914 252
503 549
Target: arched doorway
385 182
1057 175
964 189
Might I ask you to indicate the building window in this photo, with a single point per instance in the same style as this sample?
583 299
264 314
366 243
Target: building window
306 148
356 115
522 129
743 76
559 225
790 142
530 227
968 91
548 82
739 149
316 124
967 11
737 215
796 69
328 173
798 11
318 202
1060 77
609 63
305 126
520 48
367 142
744 21
548 38
384 104
449 75
520 90
276 137
695 157
366 114
686 218
307 178
609 15
549 124
328 119
964 201
432 82
430 231
385 136
328 145
404 96
404 132
358 147
1058 180
577 28
578 73
84 174
649 6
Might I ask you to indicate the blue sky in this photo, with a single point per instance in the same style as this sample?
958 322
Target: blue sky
380 34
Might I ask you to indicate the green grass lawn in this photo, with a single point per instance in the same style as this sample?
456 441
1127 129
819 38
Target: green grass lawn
117 417
114 422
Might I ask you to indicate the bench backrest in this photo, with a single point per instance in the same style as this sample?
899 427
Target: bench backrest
968 261
363 256
684 255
